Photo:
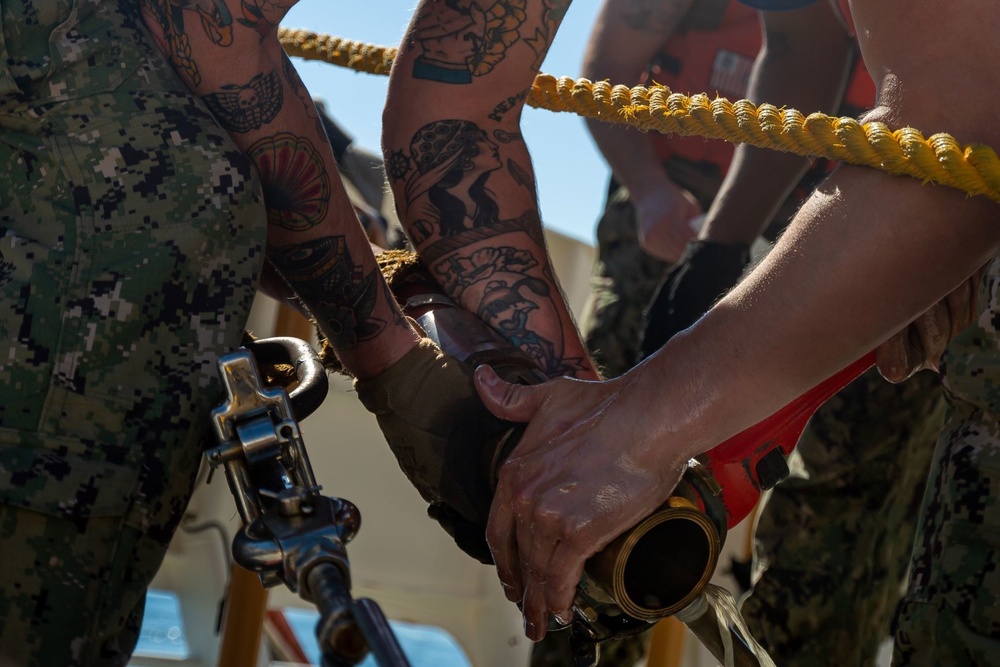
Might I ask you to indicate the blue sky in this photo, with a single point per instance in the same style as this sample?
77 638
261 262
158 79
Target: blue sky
572 176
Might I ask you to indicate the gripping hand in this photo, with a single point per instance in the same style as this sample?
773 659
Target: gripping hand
435 425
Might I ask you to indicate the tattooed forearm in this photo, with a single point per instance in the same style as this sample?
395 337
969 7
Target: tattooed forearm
296 181
339 296
242 108
652 16
487 252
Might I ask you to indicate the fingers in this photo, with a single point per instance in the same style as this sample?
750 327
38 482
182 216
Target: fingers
551 566
946 319
513 402
962 304
933 329
916 347
893 357
565 572
536 563
501 536
923 342
667 240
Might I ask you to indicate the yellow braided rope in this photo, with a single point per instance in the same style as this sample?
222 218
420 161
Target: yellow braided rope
972 168
358 56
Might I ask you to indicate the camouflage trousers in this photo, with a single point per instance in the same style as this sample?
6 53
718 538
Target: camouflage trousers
624 280
131 233
832 543
951 612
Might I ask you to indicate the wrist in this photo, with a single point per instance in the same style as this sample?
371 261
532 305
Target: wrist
375 357
665 386
728 228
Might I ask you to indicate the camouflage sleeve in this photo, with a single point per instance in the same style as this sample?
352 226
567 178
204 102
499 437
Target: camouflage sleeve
227 51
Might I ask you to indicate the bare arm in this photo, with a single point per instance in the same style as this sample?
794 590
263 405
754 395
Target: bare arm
867 254
804 64
627 36
461 173
882 248
229 54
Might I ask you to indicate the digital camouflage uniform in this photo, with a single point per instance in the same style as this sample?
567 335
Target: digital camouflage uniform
835 544
950 615
624 280
131 233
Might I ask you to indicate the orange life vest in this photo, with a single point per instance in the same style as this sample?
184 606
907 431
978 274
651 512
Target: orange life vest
715 54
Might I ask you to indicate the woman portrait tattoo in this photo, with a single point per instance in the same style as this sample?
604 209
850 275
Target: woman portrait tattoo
446 174
296 182
461 39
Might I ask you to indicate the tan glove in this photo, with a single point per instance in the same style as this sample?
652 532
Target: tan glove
921 344
437 428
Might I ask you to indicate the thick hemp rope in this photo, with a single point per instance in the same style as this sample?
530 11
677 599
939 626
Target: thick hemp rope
940 158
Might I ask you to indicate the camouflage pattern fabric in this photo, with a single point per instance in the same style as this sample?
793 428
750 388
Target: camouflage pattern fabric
623 282
625 277
132 233
832 543
951 613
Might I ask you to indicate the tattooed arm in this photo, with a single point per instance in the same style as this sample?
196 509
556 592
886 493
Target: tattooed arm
627 37
461 173
227 51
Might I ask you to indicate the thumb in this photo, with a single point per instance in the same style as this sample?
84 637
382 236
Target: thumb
513 402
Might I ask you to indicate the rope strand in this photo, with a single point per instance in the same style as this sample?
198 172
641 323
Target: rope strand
972 168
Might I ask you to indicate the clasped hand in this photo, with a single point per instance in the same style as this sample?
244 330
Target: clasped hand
590 465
